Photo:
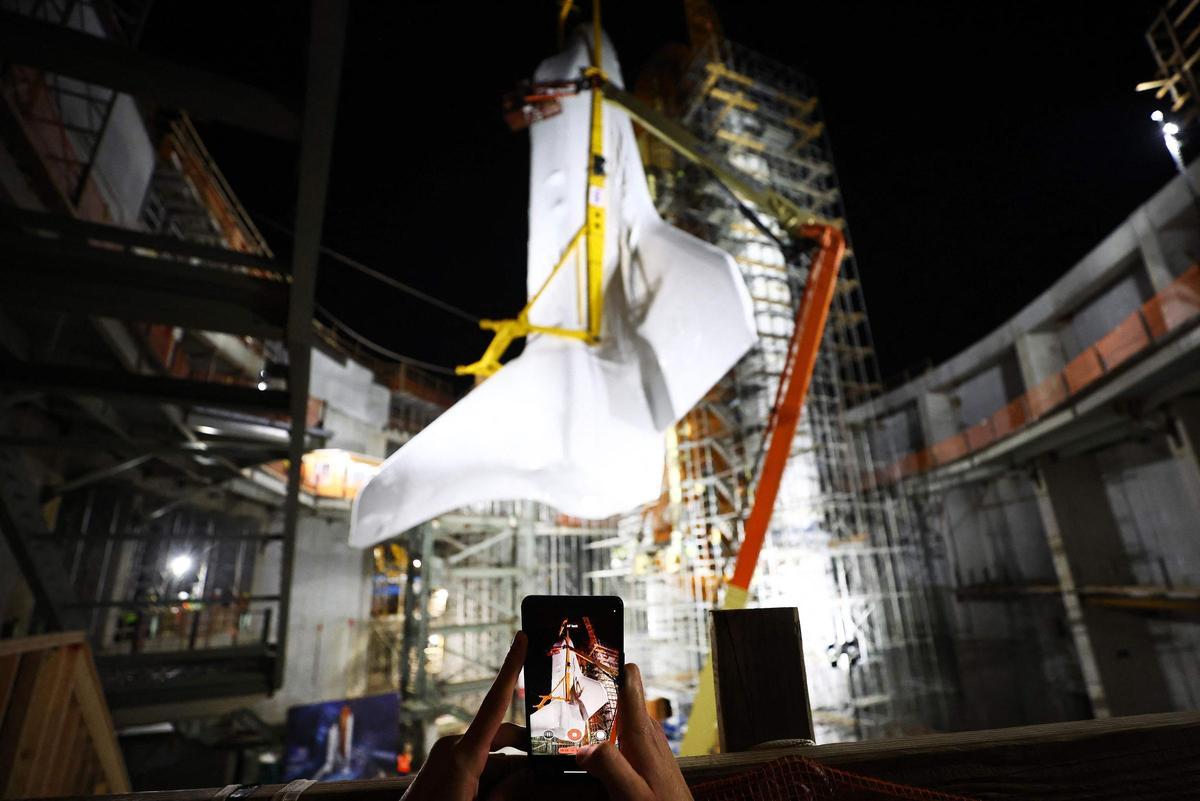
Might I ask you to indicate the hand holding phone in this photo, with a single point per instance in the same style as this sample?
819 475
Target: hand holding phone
644 769
573 670
451 773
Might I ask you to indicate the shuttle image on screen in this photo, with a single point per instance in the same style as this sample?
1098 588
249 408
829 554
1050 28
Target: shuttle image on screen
564 712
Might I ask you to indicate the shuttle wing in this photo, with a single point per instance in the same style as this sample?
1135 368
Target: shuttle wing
579 427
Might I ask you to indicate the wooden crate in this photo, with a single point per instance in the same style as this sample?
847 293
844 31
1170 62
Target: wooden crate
56 733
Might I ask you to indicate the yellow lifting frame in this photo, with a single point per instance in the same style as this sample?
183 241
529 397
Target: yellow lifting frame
592 232
508 330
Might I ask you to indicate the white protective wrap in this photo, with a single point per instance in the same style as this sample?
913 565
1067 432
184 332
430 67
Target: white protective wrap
577 426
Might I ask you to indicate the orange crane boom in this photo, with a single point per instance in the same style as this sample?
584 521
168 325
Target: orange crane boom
803 348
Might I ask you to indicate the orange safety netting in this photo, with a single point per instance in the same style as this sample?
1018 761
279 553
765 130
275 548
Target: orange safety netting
795 778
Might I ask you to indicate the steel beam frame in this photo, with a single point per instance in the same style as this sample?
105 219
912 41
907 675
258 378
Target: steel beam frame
327 38
152 389
89 58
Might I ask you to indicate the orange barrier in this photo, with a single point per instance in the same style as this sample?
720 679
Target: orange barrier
916 462
1082 370
1012 417
980 435
1124 341
950 449
1046 396
1170 309
1175 305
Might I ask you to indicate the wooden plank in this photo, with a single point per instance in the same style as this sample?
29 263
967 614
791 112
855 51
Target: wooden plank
59 780
80 772
47 759
39 642
758 670
58 736
9 665
18 708
97 720
36 729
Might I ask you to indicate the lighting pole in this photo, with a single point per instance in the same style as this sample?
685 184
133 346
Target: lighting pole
1170 135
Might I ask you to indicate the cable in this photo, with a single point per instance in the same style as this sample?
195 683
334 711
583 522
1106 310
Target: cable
380 349
386 279
754 219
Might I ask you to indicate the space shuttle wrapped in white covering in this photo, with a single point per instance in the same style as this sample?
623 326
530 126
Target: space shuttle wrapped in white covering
577 426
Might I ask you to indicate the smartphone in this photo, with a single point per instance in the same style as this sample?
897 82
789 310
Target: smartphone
573 668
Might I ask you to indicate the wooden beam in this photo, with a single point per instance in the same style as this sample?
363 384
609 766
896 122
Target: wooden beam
204 95
39 642
9 665
14 720
37 728
758 670
97 719
1142 758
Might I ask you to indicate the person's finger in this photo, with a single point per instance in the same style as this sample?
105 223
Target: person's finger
616 774
636 725
643 741
632 691
474 744
510 735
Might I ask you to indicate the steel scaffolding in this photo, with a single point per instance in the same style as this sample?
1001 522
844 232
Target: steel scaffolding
843 550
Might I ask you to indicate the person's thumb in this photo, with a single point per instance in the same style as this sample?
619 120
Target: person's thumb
606 763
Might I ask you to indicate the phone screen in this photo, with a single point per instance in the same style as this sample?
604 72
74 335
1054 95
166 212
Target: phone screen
572 671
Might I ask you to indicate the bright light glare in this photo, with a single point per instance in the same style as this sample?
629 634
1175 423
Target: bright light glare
180 564
1170 129
416 563
1157 116
183 596
262 386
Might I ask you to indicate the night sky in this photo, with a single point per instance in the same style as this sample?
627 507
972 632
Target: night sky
983 149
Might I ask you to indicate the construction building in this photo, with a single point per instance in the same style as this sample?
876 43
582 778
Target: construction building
1005 540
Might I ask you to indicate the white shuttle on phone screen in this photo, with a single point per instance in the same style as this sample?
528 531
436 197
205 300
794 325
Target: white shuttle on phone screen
573 699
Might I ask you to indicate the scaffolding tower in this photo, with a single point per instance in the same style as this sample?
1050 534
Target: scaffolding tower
840 547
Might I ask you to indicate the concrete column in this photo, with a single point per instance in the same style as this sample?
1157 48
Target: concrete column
1039 355
1116 650
1183 438
1154 259
939 418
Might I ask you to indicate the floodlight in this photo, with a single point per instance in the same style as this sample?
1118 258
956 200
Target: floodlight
180 564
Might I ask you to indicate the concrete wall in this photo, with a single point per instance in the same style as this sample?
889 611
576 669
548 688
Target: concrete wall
1013 654
1012 544
356 407
1144 483
330 611
1106 310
